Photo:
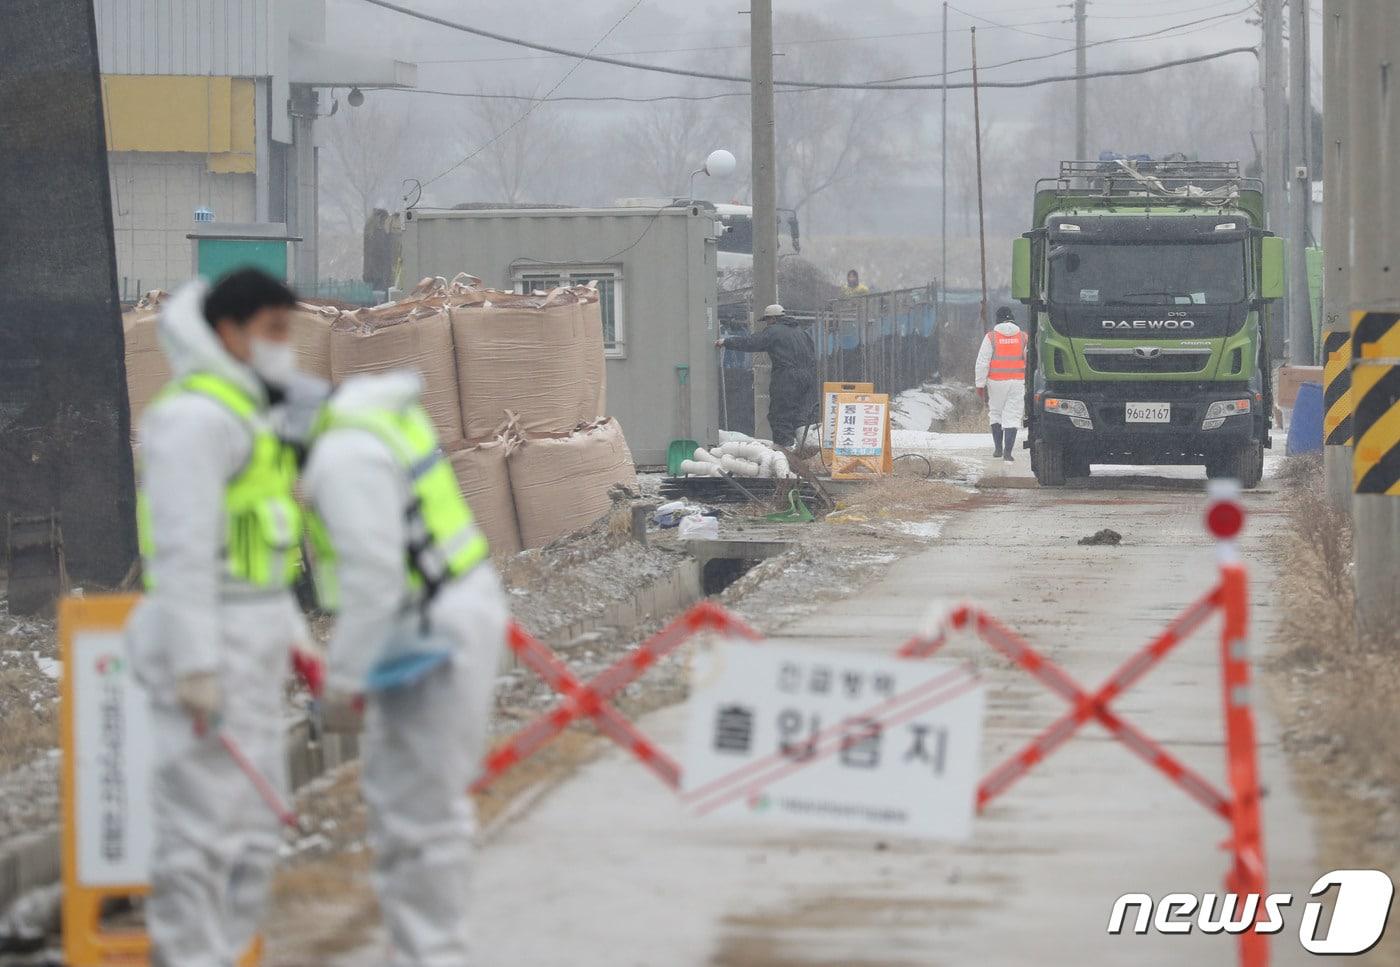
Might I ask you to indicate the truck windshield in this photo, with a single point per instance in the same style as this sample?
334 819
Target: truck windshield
1206 273
738 234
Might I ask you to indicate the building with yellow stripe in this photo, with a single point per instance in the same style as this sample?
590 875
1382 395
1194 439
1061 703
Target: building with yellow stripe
212 105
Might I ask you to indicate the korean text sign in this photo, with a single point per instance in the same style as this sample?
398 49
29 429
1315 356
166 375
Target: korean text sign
834 739
862 442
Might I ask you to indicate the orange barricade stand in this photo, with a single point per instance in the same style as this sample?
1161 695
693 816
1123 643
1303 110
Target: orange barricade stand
1240 808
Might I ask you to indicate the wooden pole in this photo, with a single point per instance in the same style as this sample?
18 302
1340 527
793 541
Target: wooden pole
977 138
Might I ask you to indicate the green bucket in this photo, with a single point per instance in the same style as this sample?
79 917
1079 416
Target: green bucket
677 452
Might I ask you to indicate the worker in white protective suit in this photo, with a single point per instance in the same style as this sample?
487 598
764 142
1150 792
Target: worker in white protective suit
220 535
1001 381
421 624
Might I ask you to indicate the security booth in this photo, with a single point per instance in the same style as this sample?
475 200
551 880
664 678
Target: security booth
221 248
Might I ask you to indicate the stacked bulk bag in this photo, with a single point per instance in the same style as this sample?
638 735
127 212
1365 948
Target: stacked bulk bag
311 337
414 334
537 356
147 370
484 479
561 481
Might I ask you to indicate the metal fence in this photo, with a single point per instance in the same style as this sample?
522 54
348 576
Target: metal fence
886 338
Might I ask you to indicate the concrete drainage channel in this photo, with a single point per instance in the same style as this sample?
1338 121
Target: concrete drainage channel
32 862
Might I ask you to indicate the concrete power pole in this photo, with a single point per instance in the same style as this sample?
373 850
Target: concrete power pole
1275 153
1300 330
1081 86
943 183
1336 320
1373 145
765 194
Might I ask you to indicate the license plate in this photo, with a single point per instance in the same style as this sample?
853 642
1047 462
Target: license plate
1149 413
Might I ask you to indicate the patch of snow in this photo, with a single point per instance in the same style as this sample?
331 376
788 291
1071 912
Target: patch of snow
930 529
904 440
917 409
51 667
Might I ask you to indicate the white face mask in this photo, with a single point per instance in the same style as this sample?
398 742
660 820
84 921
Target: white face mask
275 362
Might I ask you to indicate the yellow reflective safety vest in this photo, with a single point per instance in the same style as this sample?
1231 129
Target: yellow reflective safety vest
444 541
263 524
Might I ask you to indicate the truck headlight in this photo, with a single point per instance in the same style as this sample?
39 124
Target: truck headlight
1070 408
1217 412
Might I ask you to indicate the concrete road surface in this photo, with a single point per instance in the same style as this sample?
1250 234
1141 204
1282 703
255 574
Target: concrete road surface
607 871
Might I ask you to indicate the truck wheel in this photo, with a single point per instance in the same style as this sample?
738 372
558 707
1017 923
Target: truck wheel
1050 467
1245 464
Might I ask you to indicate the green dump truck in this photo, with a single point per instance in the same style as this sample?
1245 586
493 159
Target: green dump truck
1148 284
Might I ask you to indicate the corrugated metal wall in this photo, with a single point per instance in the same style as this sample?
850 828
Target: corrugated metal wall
232 38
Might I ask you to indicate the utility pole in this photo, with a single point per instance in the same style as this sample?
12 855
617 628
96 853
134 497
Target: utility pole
977 139
765 194
1336 320
1081 86
1373 144
1275 152
943 181
1300 330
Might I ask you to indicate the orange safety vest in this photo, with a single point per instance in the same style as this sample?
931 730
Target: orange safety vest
1008 356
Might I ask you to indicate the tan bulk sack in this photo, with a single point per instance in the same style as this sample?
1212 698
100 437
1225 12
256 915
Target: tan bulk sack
147 370
521 354
414 336
311 337
484 478
590 309
561 482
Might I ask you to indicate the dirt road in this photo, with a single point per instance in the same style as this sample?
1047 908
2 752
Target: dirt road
608 871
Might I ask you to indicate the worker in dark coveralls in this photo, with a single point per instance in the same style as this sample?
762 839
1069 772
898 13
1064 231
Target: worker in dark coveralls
792 389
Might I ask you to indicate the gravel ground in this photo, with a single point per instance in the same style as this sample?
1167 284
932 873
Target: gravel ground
29 671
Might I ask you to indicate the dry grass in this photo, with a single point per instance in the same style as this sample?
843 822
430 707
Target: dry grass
969 415
927 466
27 727
1341 711
898 498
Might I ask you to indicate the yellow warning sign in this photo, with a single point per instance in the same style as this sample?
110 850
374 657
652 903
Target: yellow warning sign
105 735
861 443
829 393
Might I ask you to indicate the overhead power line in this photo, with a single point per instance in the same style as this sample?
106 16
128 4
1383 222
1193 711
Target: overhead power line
819 85
530 110
1033 82
1131 38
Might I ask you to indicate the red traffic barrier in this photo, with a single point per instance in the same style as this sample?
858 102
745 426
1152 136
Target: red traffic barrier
591 699
1240 808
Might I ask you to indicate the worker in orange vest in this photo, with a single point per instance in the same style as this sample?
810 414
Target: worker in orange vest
1001 381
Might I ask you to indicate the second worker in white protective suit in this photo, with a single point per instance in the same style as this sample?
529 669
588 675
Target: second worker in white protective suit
209 642
1001 381
421 623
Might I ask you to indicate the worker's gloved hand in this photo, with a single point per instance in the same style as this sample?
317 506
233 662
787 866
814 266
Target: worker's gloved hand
202 699
719 343
309 662
982 393
342 711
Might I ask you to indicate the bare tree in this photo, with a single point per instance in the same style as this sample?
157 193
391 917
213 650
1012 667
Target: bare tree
831 139
658 147
519 153
368 152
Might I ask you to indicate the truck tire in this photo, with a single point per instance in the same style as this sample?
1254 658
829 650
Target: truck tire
1050 467
1245 464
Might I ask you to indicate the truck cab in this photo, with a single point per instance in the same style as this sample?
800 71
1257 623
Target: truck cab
1147 290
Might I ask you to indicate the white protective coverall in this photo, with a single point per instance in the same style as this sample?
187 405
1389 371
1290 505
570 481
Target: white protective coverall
1006 398
216 841
423 742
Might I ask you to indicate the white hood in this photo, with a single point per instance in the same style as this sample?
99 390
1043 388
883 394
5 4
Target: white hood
191 346
393 390
1007 328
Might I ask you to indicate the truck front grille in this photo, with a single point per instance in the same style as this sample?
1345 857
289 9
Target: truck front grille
1118 361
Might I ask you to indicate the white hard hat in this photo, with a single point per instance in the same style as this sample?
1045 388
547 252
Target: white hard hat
773 310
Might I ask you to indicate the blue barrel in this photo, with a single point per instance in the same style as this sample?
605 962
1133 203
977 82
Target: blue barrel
1305 426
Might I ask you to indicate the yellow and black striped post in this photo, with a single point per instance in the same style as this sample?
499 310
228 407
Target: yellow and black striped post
1336 389
1375 392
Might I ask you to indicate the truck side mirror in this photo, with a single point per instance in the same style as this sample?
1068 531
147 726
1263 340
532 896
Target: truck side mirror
1021 269
1271 276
